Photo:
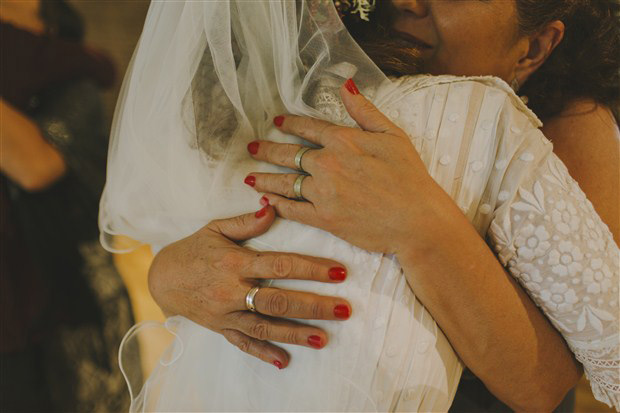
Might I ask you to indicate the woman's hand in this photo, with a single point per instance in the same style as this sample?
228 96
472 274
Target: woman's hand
27 157
367 186
206 276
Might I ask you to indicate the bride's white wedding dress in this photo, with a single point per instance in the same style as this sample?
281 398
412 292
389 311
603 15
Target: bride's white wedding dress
482 145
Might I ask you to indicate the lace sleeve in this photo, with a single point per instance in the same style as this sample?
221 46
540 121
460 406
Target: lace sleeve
552 241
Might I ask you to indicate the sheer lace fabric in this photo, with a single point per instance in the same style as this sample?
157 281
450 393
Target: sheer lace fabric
543 228
178 159
553 243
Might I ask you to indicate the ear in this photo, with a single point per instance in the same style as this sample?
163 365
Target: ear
540 47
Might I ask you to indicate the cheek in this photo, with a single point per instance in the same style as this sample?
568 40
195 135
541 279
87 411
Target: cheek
471 49
472 55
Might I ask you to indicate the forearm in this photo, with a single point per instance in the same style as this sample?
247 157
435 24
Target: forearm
490 321
26 157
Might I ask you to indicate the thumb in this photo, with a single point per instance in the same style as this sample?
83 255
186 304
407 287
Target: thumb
367 116
244 226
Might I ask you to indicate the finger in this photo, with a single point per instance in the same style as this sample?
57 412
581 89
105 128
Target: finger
268 328
282 154
270 265
367 116
283 184
262 350
303 212
244 226
314 130
276 302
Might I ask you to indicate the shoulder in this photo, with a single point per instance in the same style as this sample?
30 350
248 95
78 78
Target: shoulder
439 89
586 138
584 125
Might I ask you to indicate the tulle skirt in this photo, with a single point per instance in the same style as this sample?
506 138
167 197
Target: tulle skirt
389 356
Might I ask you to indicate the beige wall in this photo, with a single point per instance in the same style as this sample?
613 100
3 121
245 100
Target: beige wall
114 26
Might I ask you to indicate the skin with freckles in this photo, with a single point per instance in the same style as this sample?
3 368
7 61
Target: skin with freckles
474 37
455 31
352 162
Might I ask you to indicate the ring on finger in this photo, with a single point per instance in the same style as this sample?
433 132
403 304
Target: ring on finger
299 155
297 187
249 298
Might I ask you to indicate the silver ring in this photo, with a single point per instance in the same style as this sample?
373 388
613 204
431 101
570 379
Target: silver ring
297 187
300 154
249 298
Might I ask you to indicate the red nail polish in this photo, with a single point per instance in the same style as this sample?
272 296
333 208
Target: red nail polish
337 273
261 213
278 364
342 311
278 120
315 341
264 201
253 147
250 180
350 85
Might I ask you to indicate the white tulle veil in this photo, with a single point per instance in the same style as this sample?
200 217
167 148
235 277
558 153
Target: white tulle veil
206 78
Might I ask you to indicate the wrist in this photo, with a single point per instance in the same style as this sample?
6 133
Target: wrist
430 226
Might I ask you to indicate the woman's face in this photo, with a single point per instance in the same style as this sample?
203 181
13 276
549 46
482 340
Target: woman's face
463 37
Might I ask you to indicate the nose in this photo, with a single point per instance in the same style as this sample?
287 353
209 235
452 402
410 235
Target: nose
417 7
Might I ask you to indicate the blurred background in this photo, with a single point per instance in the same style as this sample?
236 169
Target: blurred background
62 110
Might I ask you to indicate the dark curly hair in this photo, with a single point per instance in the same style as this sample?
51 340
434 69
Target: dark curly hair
584 65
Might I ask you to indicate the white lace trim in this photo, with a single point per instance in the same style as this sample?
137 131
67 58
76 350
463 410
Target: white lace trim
553 242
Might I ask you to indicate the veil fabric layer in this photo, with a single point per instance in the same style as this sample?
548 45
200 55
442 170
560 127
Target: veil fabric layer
206 78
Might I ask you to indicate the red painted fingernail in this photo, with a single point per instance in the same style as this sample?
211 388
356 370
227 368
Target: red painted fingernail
278 364
250 180
350 85
315 341
342 311
261 213
278 120
264 201
337 273
253 147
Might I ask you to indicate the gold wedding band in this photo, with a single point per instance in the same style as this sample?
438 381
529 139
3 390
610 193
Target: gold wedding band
297 187
249 298
300 154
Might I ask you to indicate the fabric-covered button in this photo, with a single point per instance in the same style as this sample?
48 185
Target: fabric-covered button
394 114
392 351
501 164
476 166
380 322
515 129
445 160
453 117
423 346
527 157
485 209
503 195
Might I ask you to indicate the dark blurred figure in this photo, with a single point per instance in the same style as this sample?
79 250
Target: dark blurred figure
63 306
